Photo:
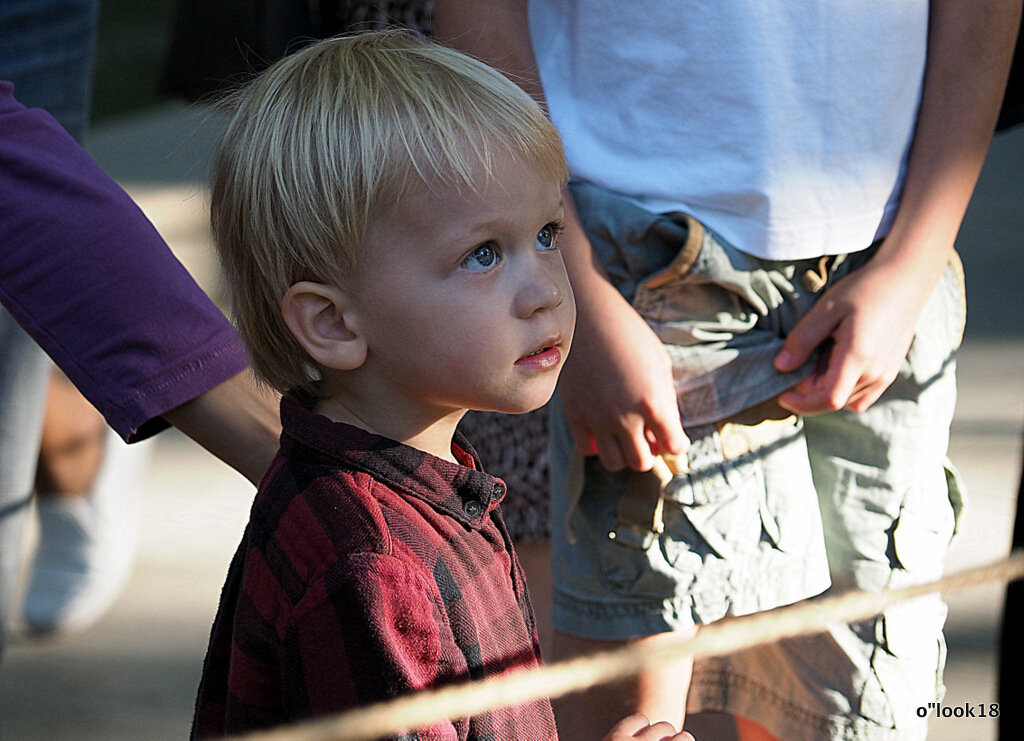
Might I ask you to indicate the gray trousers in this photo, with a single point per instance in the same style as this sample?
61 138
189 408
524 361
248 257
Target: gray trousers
24 372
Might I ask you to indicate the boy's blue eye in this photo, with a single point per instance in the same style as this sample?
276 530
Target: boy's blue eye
482 258
547 236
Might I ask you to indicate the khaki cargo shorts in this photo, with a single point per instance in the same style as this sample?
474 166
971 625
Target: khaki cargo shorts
773 508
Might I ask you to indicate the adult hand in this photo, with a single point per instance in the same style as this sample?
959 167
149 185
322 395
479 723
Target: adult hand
864 325
617 387
637 726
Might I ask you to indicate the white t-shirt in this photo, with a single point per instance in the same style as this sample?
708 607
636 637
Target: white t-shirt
781 124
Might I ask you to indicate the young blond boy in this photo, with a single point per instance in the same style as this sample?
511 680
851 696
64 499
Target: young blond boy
386 211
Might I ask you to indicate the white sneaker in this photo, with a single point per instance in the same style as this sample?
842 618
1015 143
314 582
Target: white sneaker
86 545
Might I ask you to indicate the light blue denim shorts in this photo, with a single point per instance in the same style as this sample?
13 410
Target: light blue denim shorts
768 513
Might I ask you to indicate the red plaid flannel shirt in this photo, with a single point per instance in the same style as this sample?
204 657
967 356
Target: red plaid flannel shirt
368 570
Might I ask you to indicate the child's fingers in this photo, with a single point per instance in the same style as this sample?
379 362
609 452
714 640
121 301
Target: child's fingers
666 435
625 447
637 726
809 333
627 727
830 390
663 731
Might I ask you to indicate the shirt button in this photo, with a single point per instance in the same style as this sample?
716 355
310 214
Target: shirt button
472 508
498 493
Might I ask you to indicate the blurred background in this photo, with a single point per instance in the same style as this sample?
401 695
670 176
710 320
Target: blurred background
134 674
134 38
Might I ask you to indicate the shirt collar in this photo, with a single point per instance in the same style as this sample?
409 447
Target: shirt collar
462 490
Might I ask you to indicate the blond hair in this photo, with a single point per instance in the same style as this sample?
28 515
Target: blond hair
330 138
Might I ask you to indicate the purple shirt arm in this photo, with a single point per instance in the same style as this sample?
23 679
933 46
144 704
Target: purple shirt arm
88 276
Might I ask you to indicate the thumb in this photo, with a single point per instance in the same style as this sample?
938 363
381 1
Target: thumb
810 332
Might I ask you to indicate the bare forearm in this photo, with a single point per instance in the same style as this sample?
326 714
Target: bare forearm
237 421
969 51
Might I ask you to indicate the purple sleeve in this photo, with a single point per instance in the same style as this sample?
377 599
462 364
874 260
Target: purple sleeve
88 276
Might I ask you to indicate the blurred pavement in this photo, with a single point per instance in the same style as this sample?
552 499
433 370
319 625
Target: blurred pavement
134 675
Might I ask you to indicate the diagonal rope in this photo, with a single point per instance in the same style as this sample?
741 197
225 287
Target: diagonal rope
554 680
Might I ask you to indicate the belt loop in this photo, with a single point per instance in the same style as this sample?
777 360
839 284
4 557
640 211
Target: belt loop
816 279
686 256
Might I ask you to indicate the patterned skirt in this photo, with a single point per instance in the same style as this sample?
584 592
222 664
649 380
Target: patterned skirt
514 447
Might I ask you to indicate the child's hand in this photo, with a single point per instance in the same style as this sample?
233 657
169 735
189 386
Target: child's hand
637 726
617 389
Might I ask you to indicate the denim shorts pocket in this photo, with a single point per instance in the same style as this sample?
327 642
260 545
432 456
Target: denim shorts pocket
622 568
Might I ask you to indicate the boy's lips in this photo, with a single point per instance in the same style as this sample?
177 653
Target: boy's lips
545 356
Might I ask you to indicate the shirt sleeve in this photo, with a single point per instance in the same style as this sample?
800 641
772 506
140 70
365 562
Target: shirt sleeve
88 276
376 630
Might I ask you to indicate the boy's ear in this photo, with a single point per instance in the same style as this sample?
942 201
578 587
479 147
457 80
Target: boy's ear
322 319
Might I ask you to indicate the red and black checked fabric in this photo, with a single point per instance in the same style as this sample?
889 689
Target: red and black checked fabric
368 570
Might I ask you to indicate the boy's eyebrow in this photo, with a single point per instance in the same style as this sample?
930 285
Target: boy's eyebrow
498 221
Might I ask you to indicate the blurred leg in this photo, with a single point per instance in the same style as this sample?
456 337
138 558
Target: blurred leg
72 443
46 50
88 482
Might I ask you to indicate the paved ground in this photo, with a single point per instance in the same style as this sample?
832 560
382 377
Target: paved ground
133 676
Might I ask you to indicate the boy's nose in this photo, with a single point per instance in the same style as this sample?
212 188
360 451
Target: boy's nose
541 290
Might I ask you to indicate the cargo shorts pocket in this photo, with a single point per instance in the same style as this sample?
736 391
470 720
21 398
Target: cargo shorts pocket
927 521
719 536
911 651
647 548
766 466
